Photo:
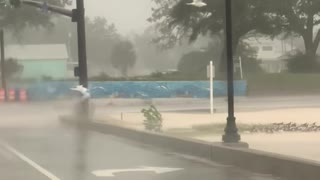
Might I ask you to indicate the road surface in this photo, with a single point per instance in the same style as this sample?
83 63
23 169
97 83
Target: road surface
38 147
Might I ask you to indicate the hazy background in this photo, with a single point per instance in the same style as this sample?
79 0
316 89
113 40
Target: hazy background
128 15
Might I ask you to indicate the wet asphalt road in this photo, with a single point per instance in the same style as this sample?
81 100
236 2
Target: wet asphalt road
65 153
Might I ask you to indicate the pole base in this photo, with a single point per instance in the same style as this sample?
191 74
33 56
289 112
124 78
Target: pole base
231 132
241 145
231 138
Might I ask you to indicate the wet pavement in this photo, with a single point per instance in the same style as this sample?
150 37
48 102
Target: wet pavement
66 153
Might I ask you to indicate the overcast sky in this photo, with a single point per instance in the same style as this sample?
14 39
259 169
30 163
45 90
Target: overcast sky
127 15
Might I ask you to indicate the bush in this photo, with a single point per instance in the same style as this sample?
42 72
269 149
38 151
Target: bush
46 78
153 121
302 63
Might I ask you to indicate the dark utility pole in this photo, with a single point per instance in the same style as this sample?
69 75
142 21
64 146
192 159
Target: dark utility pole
231 132
3 74
80 19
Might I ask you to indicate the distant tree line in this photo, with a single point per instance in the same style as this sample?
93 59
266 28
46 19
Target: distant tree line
29 25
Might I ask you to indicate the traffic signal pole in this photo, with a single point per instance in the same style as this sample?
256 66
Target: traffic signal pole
77 15
3 74
82 53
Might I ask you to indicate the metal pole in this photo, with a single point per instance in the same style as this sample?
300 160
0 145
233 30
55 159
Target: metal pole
231 132
3 74
241 70
211 87
82 138
83 74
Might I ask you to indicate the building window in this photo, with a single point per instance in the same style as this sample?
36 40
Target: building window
267 48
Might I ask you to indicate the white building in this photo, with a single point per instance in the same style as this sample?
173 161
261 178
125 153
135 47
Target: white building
271 53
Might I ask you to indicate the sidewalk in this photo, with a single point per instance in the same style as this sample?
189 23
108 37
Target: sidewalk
303 145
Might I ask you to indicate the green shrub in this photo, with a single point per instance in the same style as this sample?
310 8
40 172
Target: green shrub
153 121
302 63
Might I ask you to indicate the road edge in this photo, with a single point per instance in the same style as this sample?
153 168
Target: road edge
249 159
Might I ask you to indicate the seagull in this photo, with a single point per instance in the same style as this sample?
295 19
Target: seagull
84 91
197 3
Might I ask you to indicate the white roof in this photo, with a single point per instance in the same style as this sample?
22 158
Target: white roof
37 52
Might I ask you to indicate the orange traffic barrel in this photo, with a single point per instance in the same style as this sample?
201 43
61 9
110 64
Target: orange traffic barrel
11 95
22 95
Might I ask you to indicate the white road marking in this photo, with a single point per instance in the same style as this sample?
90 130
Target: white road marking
111 172
31 163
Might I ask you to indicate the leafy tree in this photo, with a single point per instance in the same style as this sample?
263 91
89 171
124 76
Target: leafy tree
11 68
195 63
151 58
101 37
248 54
123 56
16 19
301 17
176 20
297 63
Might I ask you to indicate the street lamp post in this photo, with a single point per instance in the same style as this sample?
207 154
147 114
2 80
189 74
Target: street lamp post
231 131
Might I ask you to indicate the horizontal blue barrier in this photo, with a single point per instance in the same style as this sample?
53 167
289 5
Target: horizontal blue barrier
135 89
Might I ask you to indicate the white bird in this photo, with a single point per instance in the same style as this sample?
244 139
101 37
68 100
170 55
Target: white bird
84 91
197 3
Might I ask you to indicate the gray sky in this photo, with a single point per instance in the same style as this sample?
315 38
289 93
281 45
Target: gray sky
127 15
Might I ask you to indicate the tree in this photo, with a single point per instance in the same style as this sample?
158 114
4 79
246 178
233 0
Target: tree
301 17
176 20
123 56
248 54
151 58
101 37
195 63
12 68
16 19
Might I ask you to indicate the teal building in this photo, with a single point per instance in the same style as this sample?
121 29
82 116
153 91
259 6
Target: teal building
41 60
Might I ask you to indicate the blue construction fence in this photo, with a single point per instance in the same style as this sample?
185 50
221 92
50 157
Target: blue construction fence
135 89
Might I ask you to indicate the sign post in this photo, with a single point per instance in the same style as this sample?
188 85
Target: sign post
240 65
211 74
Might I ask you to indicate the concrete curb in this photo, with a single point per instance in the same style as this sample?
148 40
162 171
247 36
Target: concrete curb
253 160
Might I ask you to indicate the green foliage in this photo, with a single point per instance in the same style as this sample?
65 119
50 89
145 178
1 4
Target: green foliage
12 68
15 3
175 20
153 121
301 17
16 19
47 78
123 56
156 75
194 63
283 84
303 63
250 63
